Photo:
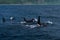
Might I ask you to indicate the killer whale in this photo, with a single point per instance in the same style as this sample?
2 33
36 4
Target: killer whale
38 22
33 20
28 21
3 20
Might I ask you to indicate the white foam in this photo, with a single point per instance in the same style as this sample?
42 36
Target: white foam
23 22
35 19
49 22
31 26
11 18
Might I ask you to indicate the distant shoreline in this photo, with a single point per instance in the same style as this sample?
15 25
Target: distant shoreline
29 4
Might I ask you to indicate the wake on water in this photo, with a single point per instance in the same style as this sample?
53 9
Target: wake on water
34 25
50 22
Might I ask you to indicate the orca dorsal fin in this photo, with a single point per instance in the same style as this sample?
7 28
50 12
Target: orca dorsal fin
24 19
38 22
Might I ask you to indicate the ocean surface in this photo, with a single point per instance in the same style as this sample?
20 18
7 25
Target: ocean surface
16 31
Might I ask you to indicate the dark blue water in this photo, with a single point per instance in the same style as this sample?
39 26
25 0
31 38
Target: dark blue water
16 31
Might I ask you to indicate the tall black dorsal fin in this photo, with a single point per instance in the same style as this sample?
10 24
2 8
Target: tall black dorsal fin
39 20
3 19
24 19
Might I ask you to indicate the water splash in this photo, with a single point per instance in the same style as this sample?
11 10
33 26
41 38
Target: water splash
50 22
